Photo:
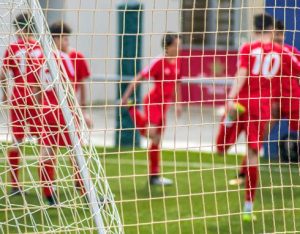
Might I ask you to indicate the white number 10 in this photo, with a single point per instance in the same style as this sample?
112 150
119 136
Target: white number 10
266 64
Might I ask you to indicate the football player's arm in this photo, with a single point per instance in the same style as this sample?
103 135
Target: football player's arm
238 82
241 74
131 88
85 74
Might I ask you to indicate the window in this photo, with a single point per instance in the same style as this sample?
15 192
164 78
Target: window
211 23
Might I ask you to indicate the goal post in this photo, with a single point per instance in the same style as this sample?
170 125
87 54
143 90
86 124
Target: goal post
47 45
96 206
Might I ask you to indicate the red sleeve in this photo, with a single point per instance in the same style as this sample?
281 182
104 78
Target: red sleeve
82 67
153 69
243 59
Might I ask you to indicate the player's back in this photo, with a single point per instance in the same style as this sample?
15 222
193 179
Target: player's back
66 67
23 58
264 62
289 87
165 75
80 65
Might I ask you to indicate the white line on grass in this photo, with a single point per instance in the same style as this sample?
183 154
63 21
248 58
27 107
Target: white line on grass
194 165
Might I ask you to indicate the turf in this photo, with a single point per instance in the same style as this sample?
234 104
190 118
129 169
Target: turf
200 201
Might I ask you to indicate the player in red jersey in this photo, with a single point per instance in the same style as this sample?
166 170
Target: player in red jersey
280 109
81 67
289 88
165 71
22 59
55 131
259 63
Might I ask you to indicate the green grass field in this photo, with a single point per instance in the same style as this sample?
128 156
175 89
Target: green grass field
199 202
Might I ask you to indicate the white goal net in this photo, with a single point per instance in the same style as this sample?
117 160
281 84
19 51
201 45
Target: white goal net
49 162
120 116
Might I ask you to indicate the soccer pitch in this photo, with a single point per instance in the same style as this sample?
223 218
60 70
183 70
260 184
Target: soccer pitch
200 201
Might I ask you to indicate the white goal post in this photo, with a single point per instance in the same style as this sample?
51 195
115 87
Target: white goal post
94 202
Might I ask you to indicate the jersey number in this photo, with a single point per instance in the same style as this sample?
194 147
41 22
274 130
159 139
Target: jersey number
265 64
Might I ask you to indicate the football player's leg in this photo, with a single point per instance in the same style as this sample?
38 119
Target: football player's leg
17 116
255 133
61 138
47 172
294 117
242 173
139 119
154 117
154 151
35 121
227 136
155 133
250 184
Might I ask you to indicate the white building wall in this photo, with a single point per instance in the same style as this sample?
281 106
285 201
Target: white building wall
95 28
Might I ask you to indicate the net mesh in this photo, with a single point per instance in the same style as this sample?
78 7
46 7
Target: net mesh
104 170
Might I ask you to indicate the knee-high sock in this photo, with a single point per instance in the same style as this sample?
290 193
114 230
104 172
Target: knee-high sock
78 179
79 182
251 182
243 168
138 119
154 158
47 175
14 158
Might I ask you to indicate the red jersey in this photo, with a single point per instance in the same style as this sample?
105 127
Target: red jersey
81 67
165 75
51 99
265 62
23 60
289 89
294 50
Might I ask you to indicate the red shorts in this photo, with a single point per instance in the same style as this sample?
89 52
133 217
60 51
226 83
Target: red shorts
155 113
253 127
290 109
55 131
24 115
294 120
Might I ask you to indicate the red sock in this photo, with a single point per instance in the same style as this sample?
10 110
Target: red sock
138 120
154 153
243 169
79 182
251 182
47 175
13 158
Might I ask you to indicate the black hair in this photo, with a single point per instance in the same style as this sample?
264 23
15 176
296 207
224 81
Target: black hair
58 28
168 39
279 25
263 22
23 22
